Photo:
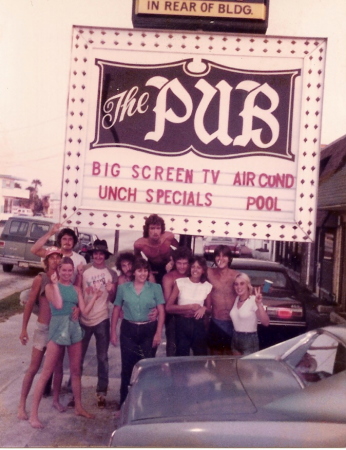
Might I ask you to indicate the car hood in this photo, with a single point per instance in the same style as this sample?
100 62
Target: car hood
205 388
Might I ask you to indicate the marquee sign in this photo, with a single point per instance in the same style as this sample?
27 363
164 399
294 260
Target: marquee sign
218 134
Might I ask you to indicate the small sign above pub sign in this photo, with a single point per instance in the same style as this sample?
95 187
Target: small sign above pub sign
244 16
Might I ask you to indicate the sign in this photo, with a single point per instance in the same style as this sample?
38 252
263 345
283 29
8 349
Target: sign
218 134
217 15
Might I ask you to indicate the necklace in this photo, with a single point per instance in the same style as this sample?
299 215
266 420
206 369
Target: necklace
242 301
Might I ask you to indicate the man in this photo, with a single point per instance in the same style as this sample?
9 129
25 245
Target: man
124 264
221 301
97 323
66 240
155 245
181 267
40 337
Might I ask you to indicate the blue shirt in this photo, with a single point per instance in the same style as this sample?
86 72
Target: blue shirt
70 300
136 307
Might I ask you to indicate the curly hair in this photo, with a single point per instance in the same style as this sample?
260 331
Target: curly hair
181 253
201 262
126 256
225 251
153 219
68 232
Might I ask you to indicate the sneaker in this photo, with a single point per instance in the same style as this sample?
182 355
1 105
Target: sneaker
101 401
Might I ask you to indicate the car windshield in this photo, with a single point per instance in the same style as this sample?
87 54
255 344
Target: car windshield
319 356
279 279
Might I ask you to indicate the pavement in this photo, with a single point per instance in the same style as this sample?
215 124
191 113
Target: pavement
60 429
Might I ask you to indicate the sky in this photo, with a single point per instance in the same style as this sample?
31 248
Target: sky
35 49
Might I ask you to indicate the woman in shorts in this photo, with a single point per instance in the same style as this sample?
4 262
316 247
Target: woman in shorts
63 332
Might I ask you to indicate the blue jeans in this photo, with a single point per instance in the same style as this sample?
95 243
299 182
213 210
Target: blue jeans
190 334
102 337
136 343
245 343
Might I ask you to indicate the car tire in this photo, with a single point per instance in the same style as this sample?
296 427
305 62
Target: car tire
7 267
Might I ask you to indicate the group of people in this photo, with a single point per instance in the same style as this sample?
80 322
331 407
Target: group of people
160 285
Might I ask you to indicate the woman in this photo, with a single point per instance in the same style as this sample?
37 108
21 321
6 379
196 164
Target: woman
246 311
63 331
187 301
138 335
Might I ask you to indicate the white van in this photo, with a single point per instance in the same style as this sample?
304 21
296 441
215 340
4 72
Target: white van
18 236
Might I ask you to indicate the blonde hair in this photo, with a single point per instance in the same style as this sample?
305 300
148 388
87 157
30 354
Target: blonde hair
246 278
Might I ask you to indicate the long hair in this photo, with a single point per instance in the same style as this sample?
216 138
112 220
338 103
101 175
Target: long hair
69 232
201 262
225 251
153 219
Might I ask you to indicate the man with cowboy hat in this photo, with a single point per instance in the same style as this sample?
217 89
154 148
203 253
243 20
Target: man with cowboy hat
97 322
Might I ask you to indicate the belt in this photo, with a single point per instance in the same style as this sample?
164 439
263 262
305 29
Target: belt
139 323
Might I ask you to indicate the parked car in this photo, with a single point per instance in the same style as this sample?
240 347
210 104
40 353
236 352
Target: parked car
18 236
283 302
212 243
289 395
85 243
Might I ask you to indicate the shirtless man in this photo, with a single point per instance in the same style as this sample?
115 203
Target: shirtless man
181 258
221 300
40 337
156 245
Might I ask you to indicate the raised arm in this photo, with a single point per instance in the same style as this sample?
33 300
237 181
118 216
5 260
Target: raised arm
37 249
87 307
261 313
29 306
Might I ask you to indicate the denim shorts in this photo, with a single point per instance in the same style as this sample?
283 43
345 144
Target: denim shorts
245 343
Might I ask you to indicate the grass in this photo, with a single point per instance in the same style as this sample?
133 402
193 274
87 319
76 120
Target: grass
9 306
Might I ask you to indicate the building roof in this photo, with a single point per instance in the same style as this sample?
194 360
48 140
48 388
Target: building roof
10 177
332 180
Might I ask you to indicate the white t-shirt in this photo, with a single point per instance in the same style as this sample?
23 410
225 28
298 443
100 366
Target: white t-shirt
244 318
77 259
94 279
190 292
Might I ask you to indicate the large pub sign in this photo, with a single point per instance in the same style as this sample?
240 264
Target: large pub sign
217 133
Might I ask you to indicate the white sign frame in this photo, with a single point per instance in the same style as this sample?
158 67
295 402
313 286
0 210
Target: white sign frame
267 219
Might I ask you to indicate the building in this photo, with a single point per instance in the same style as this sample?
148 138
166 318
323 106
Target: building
330 246
12 197
321 266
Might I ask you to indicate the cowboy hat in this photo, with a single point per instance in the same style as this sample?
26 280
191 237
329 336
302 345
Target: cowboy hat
100 246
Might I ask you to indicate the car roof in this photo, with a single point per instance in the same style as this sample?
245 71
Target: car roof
206 388
260 264
32 219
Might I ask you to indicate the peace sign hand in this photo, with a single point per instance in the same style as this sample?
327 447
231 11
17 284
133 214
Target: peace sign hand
258 295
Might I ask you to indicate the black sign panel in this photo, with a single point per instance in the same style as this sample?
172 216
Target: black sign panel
219 112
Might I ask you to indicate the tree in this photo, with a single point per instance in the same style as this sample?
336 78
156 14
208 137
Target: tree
36 183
